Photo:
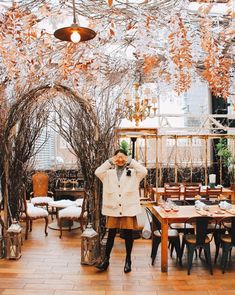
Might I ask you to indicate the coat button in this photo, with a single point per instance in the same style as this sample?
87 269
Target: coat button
120 213
119 185
120 204
120 195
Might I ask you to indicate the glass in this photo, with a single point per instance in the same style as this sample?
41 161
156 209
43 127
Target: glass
168 205
175 208
167 208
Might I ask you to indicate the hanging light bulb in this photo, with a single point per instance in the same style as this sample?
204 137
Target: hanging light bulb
75 37
74 33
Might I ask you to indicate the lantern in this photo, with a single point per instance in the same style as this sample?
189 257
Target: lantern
13 241
212 180
89 246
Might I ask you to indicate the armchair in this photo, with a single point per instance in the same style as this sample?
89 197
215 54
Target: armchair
40 196
29 213
76 212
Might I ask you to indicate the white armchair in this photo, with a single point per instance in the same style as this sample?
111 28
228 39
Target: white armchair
77 212
30 213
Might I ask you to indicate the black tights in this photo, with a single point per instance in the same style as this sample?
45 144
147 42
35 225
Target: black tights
128 242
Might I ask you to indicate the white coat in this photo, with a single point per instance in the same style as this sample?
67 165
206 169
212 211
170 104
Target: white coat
121 197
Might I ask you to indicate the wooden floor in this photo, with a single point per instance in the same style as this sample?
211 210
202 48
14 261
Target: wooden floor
52 266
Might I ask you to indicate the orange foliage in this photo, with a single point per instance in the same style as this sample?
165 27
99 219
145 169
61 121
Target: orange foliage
217 66
180 51
150 62
111 29
110 3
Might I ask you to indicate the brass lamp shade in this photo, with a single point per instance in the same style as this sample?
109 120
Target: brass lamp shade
64 34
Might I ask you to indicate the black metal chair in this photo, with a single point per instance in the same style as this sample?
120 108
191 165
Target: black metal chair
173 237
200 239
180 226
227 240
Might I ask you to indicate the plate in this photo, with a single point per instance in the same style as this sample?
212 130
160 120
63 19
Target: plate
219 212
231 211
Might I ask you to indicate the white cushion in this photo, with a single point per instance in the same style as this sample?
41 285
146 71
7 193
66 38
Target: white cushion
41 200
141 218
30 205
79 202
62 203
36 212
70 212
146 232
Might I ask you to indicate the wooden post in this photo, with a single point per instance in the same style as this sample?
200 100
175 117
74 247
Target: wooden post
160 163
206 161
176 167
156 167
136 150
191 160
145 164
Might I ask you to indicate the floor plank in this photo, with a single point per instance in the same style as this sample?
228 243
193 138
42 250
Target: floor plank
51 266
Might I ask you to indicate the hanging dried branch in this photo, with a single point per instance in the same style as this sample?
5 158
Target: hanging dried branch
218 68
180 51
32 57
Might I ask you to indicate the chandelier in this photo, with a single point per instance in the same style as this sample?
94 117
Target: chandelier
139 107
74 33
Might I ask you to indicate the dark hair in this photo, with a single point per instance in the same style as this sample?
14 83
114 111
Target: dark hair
120 151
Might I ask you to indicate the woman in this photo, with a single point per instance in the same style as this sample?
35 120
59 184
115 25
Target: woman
121 177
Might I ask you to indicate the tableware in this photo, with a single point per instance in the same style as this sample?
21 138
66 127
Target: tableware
197 197
167 209
175 208
202 212
225 205
219 212
231 211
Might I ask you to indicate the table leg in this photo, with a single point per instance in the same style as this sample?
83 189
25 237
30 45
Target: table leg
233 198
158 196
164 247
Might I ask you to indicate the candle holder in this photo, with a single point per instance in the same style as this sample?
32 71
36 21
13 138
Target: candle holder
212 180
89 246
13 241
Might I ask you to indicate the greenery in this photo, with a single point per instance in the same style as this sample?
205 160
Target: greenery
224 152
124 145
227 158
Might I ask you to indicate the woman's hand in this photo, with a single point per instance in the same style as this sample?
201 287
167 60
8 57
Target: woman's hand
120 159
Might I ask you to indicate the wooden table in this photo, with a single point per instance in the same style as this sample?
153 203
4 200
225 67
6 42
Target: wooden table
74 194
225 191
182 215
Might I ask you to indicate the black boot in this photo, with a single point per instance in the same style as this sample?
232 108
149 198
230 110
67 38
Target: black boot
103 265
127 267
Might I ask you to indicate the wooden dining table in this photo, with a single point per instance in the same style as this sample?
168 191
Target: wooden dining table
182 215
159 191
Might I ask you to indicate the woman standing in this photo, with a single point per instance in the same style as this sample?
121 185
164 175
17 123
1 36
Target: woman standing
121 177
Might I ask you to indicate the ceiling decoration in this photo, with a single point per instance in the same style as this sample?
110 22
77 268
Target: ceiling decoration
169 42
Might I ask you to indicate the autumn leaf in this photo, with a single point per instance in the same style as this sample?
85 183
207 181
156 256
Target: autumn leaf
110 3
111 32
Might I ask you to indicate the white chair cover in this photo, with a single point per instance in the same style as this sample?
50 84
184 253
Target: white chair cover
70 212
41 200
